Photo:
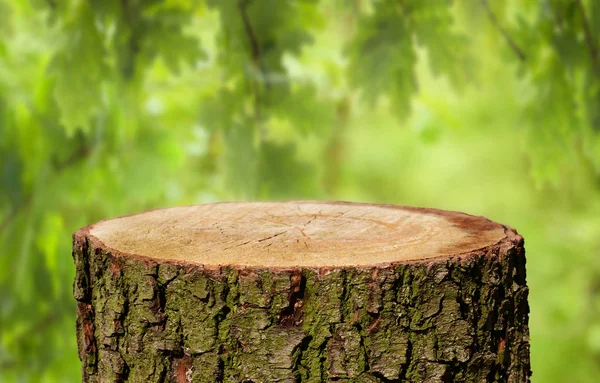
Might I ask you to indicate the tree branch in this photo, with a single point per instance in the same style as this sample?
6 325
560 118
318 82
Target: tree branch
81 153
589 37
256 59
128 67
518 51
255 47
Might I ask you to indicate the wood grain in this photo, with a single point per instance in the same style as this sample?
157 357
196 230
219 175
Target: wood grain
295 234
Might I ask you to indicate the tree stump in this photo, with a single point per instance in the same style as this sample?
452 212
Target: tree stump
301 292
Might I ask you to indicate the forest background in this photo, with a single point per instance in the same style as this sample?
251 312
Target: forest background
111 107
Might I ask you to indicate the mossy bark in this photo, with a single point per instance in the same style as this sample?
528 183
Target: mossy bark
455 319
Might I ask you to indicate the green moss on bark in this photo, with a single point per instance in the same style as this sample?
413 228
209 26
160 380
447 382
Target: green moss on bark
461 319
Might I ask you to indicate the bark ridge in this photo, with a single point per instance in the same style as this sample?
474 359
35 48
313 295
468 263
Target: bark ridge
454 319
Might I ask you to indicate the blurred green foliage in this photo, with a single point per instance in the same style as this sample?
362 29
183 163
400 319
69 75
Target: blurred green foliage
109 107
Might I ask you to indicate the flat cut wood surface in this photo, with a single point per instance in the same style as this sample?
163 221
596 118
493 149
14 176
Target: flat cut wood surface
295 234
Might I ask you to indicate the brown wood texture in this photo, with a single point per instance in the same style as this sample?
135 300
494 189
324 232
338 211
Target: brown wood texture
301 291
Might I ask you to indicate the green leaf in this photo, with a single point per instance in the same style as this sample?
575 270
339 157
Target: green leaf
432 23
254 37
382 57
258 33
561 113
80 69
164 36
552 133
305 110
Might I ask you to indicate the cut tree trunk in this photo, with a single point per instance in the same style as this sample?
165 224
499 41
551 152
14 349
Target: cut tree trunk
301 292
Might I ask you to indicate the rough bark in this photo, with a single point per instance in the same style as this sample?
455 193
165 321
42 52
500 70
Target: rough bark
460 318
